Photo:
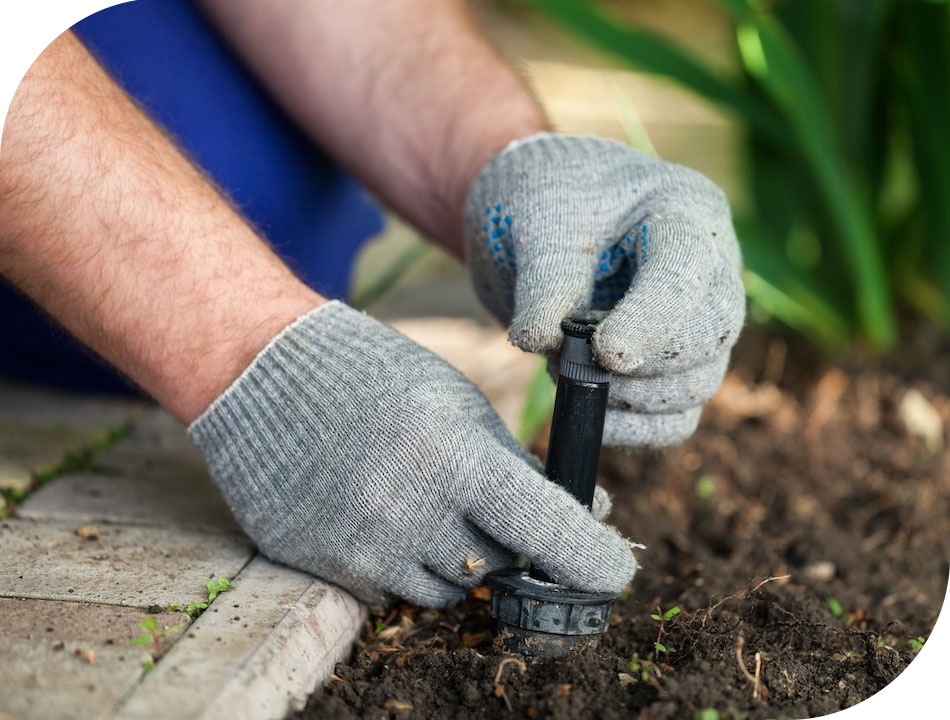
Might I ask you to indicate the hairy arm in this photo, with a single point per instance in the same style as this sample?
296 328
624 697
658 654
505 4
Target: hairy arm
118 237
407 94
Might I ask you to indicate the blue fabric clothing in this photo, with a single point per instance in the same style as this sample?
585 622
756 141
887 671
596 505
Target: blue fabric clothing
168 58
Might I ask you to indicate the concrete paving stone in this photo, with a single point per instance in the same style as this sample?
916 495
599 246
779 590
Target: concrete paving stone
131 566
38 406
44 677
28 449
134 483
256 653
157 429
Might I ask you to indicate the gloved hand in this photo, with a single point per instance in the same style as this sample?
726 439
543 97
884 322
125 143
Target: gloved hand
560 225
348 451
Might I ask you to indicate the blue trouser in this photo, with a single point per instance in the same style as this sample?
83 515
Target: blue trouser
169 59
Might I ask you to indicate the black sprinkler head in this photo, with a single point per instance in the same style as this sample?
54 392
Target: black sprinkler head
537 616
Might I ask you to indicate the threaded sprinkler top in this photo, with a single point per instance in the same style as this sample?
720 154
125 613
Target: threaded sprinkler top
577 355
578 328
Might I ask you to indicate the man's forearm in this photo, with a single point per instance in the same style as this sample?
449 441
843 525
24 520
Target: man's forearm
111 230
407 94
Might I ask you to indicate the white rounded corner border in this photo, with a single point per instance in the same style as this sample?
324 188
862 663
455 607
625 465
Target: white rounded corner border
27 27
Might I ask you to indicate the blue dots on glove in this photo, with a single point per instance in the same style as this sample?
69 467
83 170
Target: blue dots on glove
617 268
499 239
616 271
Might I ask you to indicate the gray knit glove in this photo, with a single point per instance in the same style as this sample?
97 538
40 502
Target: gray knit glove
348 451
562 225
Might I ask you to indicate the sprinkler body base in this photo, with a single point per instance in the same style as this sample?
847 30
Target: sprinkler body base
536 617
541 644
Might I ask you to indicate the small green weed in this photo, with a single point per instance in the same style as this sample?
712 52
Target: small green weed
153 634
917 643
193 609
835 606
215 588
706 490
663 618
642 669
707 714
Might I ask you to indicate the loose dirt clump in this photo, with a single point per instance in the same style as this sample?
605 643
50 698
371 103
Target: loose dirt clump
803 532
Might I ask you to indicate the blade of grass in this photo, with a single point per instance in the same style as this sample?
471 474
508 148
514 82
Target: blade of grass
772 58
633 127
389 277
923 68
787 293
538 404
651 53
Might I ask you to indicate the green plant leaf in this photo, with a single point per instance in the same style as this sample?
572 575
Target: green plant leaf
660 647
771 56
538 403
672 612
387 279
787 293
141 640
148 624
835 607
705 487
633 127
923 69
651 53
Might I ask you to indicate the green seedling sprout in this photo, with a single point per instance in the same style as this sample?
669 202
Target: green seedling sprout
664 617
153 634
884 645
641 669
917 643
215 588
835 606
705 490
707 714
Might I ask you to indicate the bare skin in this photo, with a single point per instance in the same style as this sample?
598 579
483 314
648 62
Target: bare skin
111 230
118 237
406 94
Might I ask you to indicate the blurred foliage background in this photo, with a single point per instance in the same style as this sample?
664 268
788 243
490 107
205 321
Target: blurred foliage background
825 120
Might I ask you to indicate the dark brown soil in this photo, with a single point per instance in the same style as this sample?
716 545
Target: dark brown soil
802 485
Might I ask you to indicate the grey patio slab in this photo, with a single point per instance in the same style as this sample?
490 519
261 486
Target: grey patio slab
28 449
40 427
136 484
44 677
157 429
131 566
38 406
257 653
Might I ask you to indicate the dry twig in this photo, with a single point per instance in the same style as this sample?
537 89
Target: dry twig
499 688
758 689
